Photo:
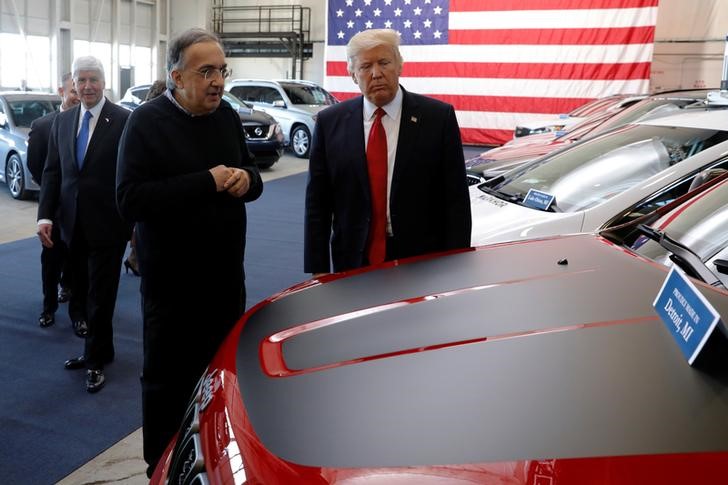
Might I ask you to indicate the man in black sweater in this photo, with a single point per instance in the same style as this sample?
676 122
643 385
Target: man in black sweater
52 259
184 176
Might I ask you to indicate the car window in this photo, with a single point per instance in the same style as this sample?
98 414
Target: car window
701 225
305 94
140 93
592 172
24 112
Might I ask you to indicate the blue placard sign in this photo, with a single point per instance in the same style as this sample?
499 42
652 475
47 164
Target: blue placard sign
538 200
686 313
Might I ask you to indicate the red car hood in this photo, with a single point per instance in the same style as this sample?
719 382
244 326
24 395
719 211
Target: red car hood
535 362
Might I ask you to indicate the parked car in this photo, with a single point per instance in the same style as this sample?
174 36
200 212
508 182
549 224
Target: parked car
18 109
494 162
293 103
537 362
547 124
601 181
263 134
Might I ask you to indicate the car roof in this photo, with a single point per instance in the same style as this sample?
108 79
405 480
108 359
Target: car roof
708 119
28 95
273 81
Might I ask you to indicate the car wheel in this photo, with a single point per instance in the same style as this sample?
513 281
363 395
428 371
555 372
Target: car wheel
301 141
15 177
264 165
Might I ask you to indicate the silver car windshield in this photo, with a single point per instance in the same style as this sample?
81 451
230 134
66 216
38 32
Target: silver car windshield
25 111
311 95
702 226
593 172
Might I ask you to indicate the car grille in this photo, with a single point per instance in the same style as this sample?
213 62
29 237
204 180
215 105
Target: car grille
257 132
188 462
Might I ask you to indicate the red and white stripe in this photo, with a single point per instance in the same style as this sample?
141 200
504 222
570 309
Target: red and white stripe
508 61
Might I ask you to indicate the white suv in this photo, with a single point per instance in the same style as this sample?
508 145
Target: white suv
293 103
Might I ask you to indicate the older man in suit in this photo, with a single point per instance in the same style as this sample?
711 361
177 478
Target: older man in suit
53 259
386 173
78 194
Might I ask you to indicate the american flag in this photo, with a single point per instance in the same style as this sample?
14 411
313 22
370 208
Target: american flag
501 61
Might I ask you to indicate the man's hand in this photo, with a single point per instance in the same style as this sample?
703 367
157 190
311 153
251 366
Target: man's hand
221 174
44 234
238 183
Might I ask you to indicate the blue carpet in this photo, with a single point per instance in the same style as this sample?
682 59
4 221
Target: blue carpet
49 424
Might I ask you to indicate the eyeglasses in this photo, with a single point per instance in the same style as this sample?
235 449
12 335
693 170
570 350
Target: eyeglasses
210 73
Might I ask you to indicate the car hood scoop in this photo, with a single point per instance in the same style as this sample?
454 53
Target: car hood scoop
488 355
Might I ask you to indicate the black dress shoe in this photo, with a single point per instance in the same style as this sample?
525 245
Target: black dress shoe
46 319
80 328
95 380
75 363
64 295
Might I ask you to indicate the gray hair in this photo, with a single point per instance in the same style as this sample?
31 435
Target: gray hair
87 63
369 39
175 53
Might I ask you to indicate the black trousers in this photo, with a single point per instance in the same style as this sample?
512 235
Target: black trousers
53 270
181 335
96 271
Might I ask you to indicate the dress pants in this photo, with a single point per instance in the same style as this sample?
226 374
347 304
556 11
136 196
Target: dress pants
96 270
181 335
56 270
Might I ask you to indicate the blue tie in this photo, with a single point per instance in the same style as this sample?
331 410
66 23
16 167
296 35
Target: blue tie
82 139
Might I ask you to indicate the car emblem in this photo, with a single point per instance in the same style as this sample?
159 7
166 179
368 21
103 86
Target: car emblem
258 131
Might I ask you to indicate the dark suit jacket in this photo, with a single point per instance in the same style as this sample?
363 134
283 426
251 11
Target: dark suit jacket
40 131
429 203
85 196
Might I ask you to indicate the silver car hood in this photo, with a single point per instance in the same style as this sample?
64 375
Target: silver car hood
537 349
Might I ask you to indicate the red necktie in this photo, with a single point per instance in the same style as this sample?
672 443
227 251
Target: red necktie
377 163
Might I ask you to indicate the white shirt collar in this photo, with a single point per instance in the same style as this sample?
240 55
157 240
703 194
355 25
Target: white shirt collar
95 111
393 108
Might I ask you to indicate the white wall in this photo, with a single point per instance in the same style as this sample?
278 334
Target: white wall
689 44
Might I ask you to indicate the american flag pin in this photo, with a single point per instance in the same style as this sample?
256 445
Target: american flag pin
413 119
107 119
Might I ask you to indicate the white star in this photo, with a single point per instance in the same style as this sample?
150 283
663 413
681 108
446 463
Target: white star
427 23
388 2
407 2
397 12
367 2
428 2
399 33
388 24
339 13
350 24
377 12
368 24
437 34
349 3
417 10
357 12
340 34
437 10
417 34
407 24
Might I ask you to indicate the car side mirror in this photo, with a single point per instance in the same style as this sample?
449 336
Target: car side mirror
721 265
279 103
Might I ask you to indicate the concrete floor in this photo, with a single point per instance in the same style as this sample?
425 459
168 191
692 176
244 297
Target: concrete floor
122 463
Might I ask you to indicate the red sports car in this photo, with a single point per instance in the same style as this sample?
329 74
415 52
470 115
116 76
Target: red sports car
536 362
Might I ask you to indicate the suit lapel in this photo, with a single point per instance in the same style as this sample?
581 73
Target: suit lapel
354 133
68 131
408 128
102 125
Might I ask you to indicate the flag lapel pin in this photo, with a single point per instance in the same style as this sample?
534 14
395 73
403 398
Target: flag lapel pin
413 119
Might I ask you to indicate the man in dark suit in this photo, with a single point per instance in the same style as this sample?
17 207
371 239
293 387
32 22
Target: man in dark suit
386 173
78 194
52 259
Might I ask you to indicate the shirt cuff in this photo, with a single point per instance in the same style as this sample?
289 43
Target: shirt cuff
45 221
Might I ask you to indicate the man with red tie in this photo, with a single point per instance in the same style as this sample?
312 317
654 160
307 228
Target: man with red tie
386 172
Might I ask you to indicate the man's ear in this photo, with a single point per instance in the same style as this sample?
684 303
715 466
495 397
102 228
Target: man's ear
177 78
353 78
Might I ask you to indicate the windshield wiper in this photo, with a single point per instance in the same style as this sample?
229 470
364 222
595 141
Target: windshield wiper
682 255
515 198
